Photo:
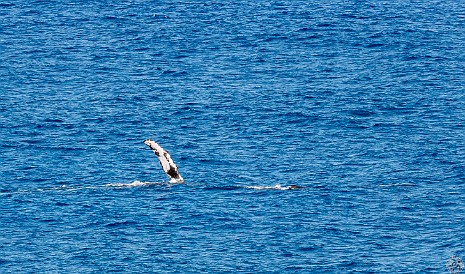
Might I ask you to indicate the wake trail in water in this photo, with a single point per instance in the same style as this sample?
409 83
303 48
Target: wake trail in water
136 184
140 184
254 187
71 188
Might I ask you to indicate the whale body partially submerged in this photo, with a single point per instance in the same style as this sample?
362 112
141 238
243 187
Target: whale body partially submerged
171 170
275 187
169 167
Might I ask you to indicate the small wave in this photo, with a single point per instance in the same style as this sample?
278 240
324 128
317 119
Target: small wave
398 184
62 187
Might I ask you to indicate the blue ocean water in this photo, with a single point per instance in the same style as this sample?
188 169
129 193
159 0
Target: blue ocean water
359 102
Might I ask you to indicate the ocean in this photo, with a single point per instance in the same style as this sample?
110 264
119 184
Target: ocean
361 103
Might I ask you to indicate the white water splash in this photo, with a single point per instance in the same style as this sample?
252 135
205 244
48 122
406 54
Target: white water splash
133 184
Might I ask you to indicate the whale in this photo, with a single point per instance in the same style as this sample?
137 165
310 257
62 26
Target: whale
275 187
167 164
171 169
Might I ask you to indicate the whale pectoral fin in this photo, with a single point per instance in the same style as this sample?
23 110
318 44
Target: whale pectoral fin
156 148
167 164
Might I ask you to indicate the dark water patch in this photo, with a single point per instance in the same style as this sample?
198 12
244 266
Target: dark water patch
324 25
370 46
220 188
48 220
61 204
362 113
121 224
305 29
174 73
